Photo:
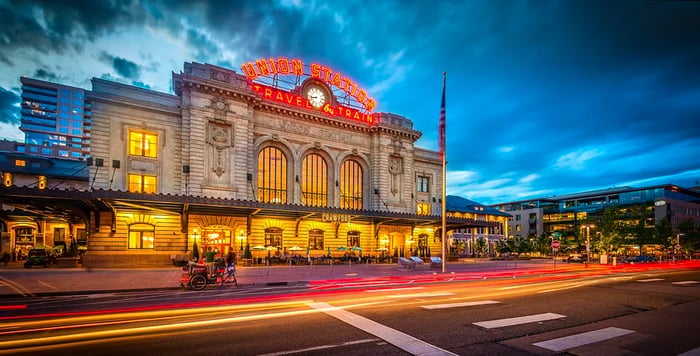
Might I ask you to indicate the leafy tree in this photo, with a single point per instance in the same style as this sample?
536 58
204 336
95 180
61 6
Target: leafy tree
246 253
690 235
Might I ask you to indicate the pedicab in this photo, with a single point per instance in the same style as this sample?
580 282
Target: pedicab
197 276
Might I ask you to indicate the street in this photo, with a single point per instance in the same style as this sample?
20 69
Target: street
585 312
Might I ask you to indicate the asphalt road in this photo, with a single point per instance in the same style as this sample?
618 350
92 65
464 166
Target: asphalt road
583 313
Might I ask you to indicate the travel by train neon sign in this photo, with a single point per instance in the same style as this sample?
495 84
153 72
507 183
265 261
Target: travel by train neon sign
286 97
293 66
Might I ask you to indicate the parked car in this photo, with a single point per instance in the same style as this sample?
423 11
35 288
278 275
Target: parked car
641 259
576 258
37 257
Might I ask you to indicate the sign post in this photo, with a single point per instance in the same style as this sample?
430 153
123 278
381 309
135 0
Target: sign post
555 249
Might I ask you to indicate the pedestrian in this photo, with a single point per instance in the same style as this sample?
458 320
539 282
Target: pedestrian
5 258
231 258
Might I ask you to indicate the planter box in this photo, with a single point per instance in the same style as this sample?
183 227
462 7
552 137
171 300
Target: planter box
247 262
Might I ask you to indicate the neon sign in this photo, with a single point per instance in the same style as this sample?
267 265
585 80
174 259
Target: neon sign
286 97
281 65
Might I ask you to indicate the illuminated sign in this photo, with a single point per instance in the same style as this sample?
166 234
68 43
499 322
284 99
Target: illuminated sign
286 97
272 66
336 218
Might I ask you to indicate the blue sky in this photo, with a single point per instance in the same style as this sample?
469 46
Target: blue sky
543 97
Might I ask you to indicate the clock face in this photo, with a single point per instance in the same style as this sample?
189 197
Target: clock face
316 97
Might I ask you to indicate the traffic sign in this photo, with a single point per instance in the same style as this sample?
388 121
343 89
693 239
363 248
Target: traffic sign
555 244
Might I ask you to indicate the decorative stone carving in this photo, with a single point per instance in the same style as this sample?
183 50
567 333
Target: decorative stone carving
396 144
219 106
220 139
396 171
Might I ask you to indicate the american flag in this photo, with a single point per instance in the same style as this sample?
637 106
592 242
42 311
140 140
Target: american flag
441 126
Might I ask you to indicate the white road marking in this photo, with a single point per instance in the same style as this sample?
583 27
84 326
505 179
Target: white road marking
518 320
650 280
685 282
458 305
322 347
401 340
48 285
693 352
569 342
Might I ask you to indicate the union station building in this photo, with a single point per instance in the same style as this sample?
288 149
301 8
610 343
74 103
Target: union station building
281 156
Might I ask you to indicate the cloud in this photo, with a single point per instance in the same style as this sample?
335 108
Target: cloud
9 107
44 74
577 160
123 67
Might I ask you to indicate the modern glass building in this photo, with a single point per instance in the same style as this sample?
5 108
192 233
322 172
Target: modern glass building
55 119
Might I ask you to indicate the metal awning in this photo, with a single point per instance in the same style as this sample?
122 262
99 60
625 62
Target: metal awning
75 206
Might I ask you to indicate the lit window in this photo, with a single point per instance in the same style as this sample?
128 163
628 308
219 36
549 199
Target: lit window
423 208
141 236
143 144
315 239
313 181
41 183
7 179
272 176
139 183
351 185
423 184
20 163
273 237
353 239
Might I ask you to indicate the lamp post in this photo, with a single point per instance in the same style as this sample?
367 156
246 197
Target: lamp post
588 243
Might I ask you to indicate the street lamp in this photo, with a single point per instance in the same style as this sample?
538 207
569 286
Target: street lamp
588 243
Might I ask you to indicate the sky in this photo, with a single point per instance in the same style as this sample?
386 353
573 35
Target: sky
543 98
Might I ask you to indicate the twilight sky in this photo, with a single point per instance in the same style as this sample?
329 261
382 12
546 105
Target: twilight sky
543 97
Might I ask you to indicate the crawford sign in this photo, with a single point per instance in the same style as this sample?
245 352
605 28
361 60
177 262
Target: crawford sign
281 65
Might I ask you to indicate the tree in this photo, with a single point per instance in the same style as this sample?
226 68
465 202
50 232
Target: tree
481 246
195 251
246 253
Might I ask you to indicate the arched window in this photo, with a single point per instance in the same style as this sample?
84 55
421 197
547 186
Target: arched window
353 239
272 176
273 237
351 185
141 236
314 187
316 239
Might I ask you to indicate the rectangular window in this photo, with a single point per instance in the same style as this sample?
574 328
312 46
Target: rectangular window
143 144
423 208
140 183
20 163
423 184
316 240
141 239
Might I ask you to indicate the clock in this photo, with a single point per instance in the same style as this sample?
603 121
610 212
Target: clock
316 96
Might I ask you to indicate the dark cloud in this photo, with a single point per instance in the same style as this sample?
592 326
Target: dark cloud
9 106
57 26
45 74
123 67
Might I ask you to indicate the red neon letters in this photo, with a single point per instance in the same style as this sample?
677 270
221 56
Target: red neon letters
286 97
281 65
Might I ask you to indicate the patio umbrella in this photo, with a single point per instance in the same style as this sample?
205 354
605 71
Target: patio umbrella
295 248
258 248
341 248
41 247
357 248
382 249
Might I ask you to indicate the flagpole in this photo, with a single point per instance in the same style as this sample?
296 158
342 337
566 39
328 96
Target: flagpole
444 174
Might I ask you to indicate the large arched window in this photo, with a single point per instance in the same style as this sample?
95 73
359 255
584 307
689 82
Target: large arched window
314 187
272 176
351 185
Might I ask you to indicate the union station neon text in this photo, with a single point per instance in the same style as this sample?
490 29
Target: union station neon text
281 65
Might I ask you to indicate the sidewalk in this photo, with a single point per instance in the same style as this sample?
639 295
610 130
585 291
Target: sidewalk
37 281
